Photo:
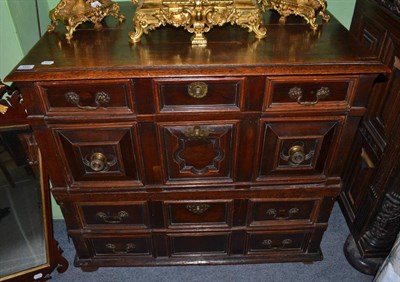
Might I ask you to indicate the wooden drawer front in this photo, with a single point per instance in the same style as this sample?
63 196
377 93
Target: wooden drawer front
268 212
301 147
198 152
208 213
88 97
308 93
132 245
210 243
100 154
108 215
199 94
278 241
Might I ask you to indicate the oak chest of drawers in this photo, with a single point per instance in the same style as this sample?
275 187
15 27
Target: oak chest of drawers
162 153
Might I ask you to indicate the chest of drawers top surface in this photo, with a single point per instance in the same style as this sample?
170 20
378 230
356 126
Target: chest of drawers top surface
287 49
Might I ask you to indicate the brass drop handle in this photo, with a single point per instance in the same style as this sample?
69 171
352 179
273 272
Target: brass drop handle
296 93
112 219
274 213
98 161
197 208
128 248
197 90
101 98
284 243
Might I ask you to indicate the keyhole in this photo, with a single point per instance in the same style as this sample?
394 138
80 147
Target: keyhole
198 90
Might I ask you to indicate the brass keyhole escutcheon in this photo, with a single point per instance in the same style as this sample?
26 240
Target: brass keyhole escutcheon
197 90
98 161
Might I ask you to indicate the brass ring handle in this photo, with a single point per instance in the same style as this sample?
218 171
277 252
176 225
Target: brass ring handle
268 244
97 161
100 98
112 219
296 93
296 155
128 248
197 208
197 90
274 213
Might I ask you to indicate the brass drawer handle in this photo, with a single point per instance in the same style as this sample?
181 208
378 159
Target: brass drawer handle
197 208
101 98
274 213
128 248
197 132
284 244
114 218
296 93
197 90
296 155
98 161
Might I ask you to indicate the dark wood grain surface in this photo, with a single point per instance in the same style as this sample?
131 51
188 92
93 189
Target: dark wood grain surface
167 51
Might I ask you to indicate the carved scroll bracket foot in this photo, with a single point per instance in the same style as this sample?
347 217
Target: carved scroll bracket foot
367 266
75 12
144 21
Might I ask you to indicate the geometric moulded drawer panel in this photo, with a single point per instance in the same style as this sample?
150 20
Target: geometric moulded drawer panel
93 156
301 147
199 152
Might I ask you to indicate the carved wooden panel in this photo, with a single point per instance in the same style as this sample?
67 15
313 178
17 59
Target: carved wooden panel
199 152
100 154
385 98
372 35
357 179
296 147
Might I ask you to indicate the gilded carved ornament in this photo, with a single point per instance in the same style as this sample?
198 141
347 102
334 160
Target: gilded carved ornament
196 16
308 9
75 12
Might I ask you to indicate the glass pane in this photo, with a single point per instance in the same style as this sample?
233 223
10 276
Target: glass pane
22 232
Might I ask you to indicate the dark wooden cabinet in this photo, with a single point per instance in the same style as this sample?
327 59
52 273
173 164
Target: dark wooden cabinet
370 198
161 153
